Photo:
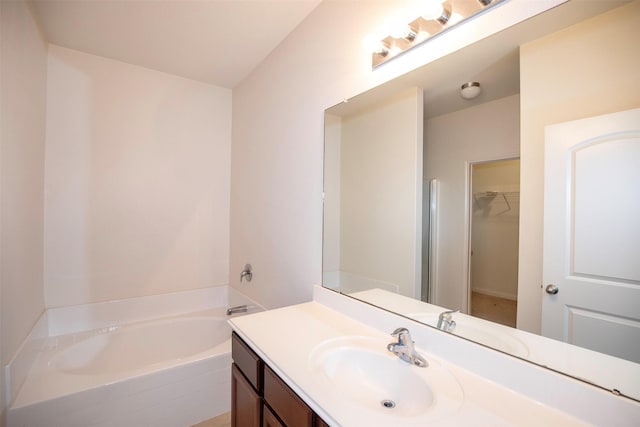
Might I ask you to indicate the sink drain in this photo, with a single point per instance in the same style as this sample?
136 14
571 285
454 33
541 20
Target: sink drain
389 404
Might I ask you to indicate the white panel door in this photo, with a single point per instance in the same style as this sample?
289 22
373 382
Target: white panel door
592 234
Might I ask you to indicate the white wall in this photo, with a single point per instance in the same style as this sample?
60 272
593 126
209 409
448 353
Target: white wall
380 193
137 181
23 62
276 172
449 148
586 70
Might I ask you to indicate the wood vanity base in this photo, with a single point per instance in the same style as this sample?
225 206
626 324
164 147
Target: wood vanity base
259 398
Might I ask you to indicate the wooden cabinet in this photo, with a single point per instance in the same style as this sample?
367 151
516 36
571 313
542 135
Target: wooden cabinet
289 407
246 404
260 398
269 419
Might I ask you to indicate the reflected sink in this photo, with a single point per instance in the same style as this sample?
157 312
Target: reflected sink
477 330
364 374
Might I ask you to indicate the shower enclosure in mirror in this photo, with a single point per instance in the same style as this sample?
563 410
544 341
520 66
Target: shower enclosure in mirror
406 229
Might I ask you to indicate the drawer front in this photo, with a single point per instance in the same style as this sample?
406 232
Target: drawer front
284 402
248 361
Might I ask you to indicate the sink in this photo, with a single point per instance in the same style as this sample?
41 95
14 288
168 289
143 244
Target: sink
491 335
365 375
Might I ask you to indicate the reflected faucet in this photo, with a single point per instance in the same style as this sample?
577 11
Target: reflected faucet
446 322
404 348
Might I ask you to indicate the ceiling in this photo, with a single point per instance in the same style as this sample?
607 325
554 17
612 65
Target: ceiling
214 41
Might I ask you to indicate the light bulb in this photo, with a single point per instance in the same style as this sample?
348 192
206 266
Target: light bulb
455 18
403 32
432 10
373 43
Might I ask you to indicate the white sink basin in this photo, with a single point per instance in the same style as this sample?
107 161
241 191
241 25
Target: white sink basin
365 375
483 332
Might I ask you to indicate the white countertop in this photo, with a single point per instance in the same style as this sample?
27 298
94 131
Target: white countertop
285 338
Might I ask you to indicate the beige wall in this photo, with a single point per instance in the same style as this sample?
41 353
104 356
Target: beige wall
380 192
23 57
137 181
331 201
449 148
586 70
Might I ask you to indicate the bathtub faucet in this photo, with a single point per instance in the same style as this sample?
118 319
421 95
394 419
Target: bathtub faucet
237 309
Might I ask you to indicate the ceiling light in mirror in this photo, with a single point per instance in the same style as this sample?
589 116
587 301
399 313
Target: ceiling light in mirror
420 22
470 90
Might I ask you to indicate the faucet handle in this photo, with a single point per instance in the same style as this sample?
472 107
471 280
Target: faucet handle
399 332
451 311
445 321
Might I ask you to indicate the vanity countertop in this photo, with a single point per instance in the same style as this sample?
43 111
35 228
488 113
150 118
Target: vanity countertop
286 339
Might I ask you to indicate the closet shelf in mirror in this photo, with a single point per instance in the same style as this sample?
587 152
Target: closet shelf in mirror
483 198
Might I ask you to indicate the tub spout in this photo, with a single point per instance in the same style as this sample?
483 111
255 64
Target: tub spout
237 309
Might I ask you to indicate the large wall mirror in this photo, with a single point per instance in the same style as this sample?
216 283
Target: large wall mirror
510 219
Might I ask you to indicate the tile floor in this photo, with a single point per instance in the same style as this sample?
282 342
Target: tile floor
223 420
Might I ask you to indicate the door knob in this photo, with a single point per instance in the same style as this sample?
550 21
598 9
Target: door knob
551 289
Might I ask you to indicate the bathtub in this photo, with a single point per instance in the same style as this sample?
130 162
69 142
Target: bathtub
172 371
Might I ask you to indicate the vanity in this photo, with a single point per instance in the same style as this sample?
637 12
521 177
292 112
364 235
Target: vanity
260 397
326 362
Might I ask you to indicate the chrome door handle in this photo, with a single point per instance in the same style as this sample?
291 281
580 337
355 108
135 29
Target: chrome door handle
551 289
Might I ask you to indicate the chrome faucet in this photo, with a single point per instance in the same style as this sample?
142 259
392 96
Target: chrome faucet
246 273
404 348
237 309
446 322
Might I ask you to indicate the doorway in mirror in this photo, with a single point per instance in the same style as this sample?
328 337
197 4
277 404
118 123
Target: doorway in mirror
494 211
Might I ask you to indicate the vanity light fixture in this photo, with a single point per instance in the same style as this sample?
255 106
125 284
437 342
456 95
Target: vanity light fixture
436 10
428 19
470 90
407 32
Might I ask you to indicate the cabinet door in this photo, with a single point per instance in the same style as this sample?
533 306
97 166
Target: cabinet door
284 402
246 405
269 419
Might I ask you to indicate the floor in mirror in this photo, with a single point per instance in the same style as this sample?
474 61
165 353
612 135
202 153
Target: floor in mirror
495 309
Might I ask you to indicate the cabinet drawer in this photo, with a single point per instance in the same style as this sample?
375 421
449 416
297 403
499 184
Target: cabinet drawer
248 361
284 402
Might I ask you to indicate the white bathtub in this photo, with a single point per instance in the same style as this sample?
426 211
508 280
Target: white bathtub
133 349
172 371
